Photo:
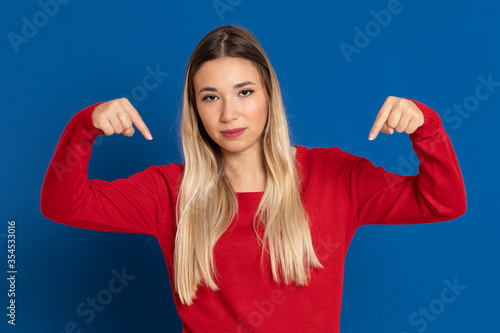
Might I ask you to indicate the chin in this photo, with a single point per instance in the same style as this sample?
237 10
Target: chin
235 147
232 148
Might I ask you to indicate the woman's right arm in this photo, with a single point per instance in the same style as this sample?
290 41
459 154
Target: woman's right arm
131 205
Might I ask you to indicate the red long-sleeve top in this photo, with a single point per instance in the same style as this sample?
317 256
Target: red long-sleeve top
340 191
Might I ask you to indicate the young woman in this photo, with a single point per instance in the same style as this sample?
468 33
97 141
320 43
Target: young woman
254 231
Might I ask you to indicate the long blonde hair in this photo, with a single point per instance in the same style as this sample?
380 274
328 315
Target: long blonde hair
207 203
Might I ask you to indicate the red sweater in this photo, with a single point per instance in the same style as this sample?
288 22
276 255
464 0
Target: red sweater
340 192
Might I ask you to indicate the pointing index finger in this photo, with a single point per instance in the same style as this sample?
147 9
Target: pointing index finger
141 126
382 117
139 123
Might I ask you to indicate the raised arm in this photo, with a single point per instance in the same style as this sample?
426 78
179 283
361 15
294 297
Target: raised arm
132 205
436 194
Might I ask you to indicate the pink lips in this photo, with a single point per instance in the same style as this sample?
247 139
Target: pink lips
233 133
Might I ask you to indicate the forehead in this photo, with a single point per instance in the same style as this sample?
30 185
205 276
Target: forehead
226 71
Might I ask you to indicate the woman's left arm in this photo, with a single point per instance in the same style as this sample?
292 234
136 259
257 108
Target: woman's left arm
437 193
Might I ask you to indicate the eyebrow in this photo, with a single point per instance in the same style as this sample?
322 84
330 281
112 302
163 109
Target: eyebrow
239 85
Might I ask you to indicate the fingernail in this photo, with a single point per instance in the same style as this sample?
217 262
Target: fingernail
150 137
372 135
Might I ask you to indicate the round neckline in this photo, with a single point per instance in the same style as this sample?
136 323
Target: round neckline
258 195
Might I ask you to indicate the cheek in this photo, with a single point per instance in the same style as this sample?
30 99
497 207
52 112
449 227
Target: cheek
260 110
206 120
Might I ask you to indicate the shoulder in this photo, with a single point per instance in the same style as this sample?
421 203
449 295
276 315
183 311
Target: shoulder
329 158
170 169
169 175
318 153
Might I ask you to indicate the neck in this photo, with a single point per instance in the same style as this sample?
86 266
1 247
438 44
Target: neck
245 170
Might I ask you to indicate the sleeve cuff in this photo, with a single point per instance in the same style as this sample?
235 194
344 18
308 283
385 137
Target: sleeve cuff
432 122
85 119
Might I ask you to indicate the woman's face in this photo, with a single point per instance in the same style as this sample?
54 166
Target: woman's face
232 103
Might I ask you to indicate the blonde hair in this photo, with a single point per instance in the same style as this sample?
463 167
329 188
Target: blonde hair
207 203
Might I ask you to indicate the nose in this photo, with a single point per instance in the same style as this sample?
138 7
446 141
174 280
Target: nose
229 111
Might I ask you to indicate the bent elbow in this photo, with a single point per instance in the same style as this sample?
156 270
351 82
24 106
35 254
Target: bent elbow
47 210
453 204
461 209
50 208
457 210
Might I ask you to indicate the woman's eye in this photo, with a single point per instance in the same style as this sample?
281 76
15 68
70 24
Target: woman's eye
247 92
209 98
244 93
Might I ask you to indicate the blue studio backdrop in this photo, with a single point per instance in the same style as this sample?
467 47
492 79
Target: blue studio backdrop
337 62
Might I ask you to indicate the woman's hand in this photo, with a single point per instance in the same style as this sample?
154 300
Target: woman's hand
398 114
117 116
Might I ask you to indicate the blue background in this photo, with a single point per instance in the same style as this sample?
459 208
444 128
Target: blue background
92 51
